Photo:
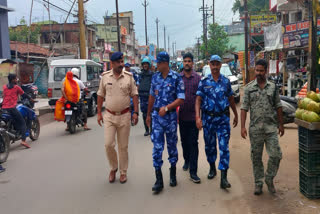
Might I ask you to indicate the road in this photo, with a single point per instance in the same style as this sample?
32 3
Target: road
67 174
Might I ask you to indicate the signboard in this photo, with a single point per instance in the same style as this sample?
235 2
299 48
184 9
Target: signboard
257 22
95 56
297 34
123 30
108 33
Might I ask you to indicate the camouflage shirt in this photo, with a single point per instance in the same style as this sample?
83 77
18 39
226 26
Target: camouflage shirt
263 105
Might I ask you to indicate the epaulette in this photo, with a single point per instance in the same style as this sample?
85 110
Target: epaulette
250 82
127 72
205 77
105 72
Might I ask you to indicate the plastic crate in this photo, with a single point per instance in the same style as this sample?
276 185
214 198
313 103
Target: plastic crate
309 161
309 184
309 139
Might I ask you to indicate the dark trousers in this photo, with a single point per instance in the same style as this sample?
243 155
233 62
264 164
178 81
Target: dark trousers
19 122
189 134
144 115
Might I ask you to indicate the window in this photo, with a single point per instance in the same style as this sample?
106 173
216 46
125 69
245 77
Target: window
90 73
96 72
60 72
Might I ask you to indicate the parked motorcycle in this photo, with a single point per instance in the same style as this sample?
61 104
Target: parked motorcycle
74 114
289 107
4 145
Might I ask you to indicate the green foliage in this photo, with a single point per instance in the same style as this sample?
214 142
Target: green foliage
20 33
217 41
253 6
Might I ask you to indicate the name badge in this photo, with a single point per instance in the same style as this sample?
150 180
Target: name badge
209 86
156 92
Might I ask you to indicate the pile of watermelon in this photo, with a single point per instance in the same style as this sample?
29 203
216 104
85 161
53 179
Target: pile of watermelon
309 108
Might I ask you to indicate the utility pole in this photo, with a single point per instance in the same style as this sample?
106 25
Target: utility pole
198 45
312 79
29 29
157 22
169 45
145 4
118 26
173 50
164 29
212 11
83 54
246 40
205 14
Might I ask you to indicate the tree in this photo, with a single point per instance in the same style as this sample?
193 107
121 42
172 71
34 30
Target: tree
253 6
218 41
20 32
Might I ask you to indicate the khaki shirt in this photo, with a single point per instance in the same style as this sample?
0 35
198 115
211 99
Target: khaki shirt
117 91
263 105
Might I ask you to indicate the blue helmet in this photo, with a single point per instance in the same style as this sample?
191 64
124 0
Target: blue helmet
146 60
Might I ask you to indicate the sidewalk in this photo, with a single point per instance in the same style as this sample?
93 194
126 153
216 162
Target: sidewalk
42 106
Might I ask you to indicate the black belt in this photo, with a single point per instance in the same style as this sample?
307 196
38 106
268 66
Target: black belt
218 114
158 109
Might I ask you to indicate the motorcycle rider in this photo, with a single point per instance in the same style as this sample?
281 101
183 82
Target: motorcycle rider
83 89
144 82
11 91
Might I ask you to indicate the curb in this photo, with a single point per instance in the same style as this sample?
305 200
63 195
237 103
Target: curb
43 110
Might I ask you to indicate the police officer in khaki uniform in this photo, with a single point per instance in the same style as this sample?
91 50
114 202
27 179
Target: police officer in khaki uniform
117 87
261 97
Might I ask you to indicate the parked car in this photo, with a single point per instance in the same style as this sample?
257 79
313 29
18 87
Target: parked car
225 70
89 75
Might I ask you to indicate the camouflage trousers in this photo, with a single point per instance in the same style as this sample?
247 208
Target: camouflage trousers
258 140
161 127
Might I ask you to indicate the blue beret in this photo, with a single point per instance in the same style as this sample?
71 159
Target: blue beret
163 57
127 65
116 56
215 58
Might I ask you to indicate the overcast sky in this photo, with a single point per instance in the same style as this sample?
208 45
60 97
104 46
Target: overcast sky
181 17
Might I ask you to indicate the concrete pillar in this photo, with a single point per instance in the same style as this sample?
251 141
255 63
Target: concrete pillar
4 31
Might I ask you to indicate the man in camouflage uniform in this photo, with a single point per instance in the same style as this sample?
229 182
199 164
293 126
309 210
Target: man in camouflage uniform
262 98
166 94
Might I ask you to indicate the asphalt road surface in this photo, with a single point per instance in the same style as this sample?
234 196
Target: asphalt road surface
67 174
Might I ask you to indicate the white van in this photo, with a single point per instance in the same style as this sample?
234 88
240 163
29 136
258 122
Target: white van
225 70
89 75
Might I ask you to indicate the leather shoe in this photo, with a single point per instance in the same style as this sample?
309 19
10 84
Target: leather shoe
112 175
123 178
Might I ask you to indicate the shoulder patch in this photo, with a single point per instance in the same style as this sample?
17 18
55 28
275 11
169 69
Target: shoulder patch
128 73
251 82
105 72
205 77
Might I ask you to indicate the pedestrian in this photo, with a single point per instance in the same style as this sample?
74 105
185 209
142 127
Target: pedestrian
261 97
116 87
127 68
214 98
166 94
144 82
189 132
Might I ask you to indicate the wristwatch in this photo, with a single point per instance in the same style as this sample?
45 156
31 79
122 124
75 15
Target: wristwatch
136 113
166 109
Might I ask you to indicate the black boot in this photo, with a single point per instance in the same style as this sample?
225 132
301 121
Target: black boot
212 171
173 179
224 181
158 186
